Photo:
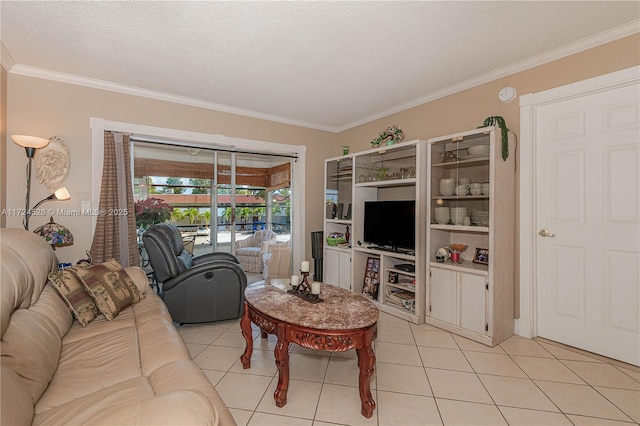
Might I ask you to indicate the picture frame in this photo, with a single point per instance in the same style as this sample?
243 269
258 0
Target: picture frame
371 278
481 256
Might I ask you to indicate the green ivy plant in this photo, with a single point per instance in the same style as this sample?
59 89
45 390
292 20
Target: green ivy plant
391 135
496 120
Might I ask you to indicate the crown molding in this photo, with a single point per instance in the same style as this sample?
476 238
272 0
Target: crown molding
552 55
62 77
5 58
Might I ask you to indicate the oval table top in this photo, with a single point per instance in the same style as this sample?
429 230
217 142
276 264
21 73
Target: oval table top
341 309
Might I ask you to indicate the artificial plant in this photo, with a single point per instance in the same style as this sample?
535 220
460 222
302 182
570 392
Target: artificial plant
496 120
391 135
151 211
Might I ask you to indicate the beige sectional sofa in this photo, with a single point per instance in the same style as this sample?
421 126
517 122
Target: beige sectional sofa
133 369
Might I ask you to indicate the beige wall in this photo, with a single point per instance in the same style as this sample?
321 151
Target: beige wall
468 109
44 108
3 146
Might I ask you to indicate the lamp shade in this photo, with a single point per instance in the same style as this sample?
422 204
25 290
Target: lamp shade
62 194
55 234
30 141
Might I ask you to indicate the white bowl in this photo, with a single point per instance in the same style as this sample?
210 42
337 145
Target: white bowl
461 190
442 220
446 190
479 150
458 219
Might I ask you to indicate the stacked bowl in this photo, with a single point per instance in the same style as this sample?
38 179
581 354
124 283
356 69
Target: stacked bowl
458 214
447 186
480 217
442 215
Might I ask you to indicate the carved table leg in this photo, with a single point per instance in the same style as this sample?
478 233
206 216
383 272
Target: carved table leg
245 326
366 362
281 353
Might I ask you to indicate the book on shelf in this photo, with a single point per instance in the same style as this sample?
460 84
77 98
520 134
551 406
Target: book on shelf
403 298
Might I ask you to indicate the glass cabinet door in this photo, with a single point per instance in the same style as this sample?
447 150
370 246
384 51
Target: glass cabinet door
338 189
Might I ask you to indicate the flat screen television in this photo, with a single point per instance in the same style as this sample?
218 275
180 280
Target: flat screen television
390 225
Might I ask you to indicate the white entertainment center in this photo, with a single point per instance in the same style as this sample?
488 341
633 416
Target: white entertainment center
473 299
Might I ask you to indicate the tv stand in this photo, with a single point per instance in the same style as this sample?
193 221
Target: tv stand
392 249
390 173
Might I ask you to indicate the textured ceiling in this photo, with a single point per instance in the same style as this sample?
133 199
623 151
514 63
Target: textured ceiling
326 65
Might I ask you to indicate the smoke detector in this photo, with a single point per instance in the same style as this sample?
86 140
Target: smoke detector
507 94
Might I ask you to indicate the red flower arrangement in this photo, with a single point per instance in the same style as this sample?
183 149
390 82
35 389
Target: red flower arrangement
151 211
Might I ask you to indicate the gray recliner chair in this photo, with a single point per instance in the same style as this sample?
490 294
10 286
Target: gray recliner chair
205 288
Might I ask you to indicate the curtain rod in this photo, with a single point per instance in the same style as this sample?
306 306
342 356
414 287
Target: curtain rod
208 148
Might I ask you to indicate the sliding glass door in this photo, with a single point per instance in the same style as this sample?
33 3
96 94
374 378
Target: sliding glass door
216 197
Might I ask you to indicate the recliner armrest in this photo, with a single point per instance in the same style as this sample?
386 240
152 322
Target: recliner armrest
210 257
201 269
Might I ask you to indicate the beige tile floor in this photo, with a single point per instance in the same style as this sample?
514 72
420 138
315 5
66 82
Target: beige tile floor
424 376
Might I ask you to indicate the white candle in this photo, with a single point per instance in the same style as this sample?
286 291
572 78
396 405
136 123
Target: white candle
295 280
315 287
304 266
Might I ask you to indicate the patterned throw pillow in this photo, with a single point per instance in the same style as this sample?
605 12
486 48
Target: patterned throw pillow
72 291
111 288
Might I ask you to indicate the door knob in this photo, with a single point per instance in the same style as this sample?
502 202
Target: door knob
546 233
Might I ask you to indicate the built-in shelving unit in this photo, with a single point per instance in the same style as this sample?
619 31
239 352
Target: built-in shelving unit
465 297
472 299
338 220
393 172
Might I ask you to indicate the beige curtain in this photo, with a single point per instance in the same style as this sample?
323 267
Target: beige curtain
115 236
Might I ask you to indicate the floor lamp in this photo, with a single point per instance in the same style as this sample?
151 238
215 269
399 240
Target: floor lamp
30 144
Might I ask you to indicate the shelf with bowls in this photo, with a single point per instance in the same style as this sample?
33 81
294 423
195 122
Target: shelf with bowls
460 228
471 195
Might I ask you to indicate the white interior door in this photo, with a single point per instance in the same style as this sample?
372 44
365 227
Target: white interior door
587 219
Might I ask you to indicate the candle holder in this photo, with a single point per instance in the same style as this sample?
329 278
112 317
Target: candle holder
303 290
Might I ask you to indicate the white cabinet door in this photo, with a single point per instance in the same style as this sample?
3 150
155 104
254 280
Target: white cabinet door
443 295
344 271
473 302
331 267
337 268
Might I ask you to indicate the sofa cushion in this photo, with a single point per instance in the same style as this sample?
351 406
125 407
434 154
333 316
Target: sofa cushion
71 289
26 261
17 396
111 288
31 344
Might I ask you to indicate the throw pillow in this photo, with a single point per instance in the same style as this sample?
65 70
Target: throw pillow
111 288
72 291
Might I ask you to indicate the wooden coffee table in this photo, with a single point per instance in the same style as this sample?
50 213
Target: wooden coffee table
342 322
